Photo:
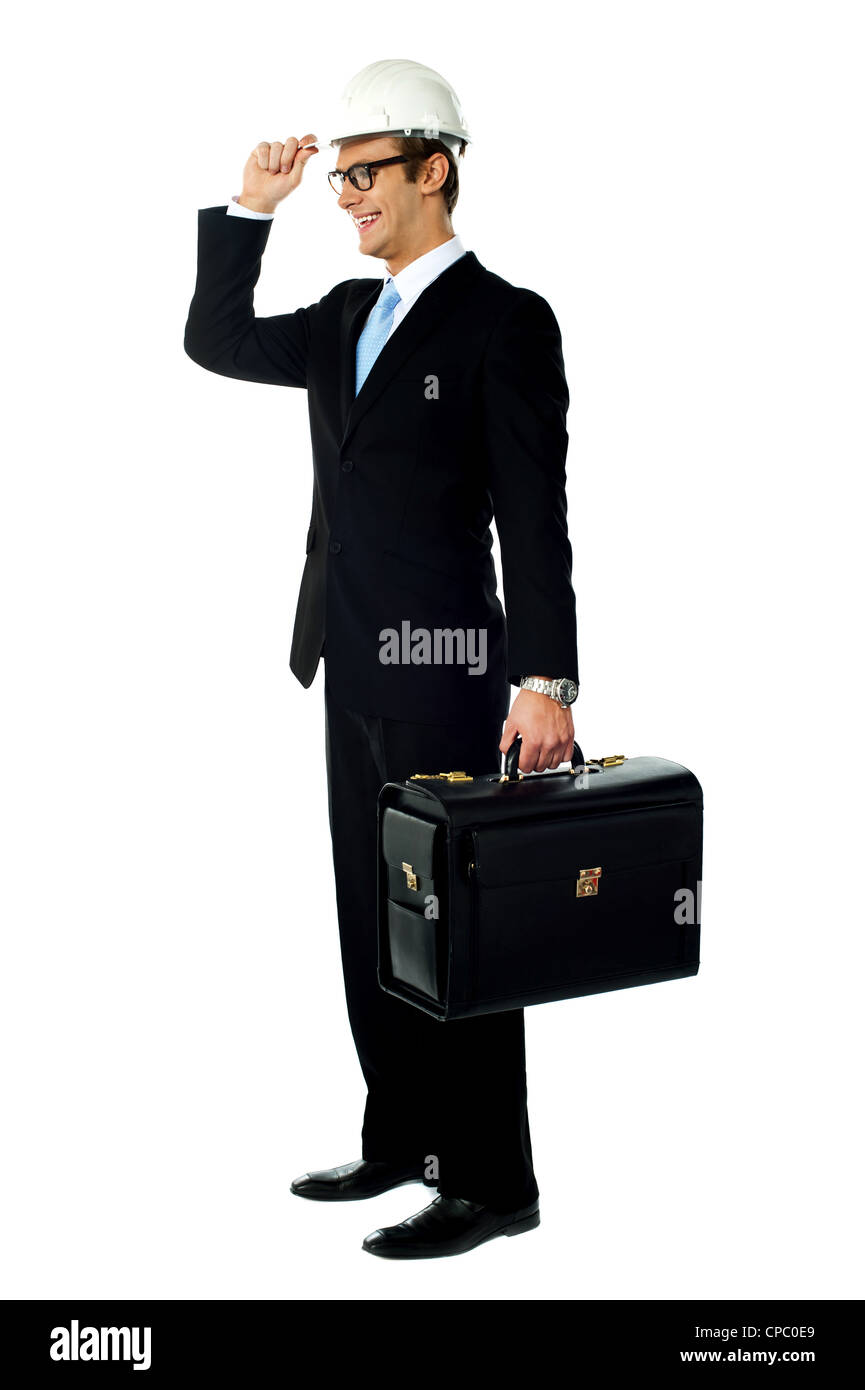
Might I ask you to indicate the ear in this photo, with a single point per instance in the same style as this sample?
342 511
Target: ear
436 172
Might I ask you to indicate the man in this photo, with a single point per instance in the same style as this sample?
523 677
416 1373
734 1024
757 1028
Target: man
437 399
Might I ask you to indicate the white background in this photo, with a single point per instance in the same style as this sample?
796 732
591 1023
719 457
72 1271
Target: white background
683 182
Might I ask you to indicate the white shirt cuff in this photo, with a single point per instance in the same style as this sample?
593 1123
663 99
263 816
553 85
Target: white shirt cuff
234 209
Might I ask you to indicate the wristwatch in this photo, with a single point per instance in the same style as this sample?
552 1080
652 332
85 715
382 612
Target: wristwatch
563 690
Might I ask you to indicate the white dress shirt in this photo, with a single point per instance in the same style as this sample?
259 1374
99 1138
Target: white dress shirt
410 282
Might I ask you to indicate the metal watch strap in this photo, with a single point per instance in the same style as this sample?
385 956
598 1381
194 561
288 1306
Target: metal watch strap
535 683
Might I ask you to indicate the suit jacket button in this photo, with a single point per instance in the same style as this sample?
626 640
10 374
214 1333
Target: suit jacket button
335 547
347 465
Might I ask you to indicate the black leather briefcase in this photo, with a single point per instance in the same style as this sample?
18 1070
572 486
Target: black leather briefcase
503 890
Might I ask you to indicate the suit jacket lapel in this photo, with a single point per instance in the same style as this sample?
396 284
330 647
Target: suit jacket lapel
432 308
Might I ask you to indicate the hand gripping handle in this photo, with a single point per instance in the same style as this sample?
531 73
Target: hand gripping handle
512 760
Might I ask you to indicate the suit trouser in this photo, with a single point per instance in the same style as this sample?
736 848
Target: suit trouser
456 1090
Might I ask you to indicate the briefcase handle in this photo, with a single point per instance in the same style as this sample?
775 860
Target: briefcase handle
512 760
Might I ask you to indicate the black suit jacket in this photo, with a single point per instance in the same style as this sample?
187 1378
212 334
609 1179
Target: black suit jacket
462 417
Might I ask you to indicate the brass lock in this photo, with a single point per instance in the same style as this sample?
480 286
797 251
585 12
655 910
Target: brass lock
588 883
442 776
410 876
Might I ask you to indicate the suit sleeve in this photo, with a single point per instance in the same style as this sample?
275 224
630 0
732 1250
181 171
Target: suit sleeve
223 333
525 409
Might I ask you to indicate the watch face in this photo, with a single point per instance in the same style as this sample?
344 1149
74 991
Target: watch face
567 691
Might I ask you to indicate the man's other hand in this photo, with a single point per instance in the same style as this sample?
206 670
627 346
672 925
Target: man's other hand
546 729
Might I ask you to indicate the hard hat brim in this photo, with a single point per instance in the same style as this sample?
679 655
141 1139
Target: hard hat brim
447 136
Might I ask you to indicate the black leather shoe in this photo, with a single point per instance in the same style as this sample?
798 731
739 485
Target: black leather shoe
449 1226
352 1181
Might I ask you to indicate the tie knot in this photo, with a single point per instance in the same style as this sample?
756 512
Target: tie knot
389 298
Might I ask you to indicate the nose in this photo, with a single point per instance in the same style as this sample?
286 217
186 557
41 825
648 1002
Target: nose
348 196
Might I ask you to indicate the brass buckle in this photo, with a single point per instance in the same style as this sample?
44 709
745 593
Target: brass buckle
588 883
442 776
614 760
410 876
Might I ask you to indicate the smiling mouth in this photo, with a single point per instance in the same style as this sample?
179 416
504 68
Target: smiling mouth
367 220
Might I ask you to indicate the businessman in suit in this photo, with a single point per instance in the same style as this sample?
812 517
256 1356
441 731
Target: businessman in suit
437 400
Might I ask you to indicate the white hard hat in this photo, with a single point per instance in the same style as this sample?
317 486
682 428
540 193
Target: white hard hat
398 97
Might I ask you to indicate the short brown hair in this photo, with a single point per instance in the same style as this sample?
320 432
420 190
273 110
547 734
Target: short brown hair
419 149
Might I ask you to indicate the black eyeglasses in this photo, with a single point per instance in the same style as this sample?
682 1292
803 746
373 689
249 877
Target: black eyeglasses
359 174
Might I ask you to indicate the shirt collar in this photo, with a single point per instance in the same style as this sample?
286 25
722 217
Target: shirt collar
421 272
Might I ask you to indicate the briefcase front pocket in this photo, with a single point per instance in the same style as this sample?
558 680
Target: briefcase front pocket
408 846
557 906
415 952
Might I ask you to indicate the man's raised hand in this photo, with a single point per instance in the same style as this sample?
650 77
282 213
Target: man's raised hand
274 170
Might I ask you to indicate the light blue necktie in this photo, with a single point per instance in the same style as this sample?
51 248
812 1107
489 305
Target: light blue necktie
374 335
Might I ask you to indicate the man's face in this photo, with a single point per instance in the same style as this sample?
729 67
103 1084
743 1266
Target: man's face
392 205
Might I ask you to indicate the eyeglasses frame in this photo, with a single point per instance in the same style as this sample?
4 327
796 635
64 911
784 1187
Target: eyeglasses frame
372 164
